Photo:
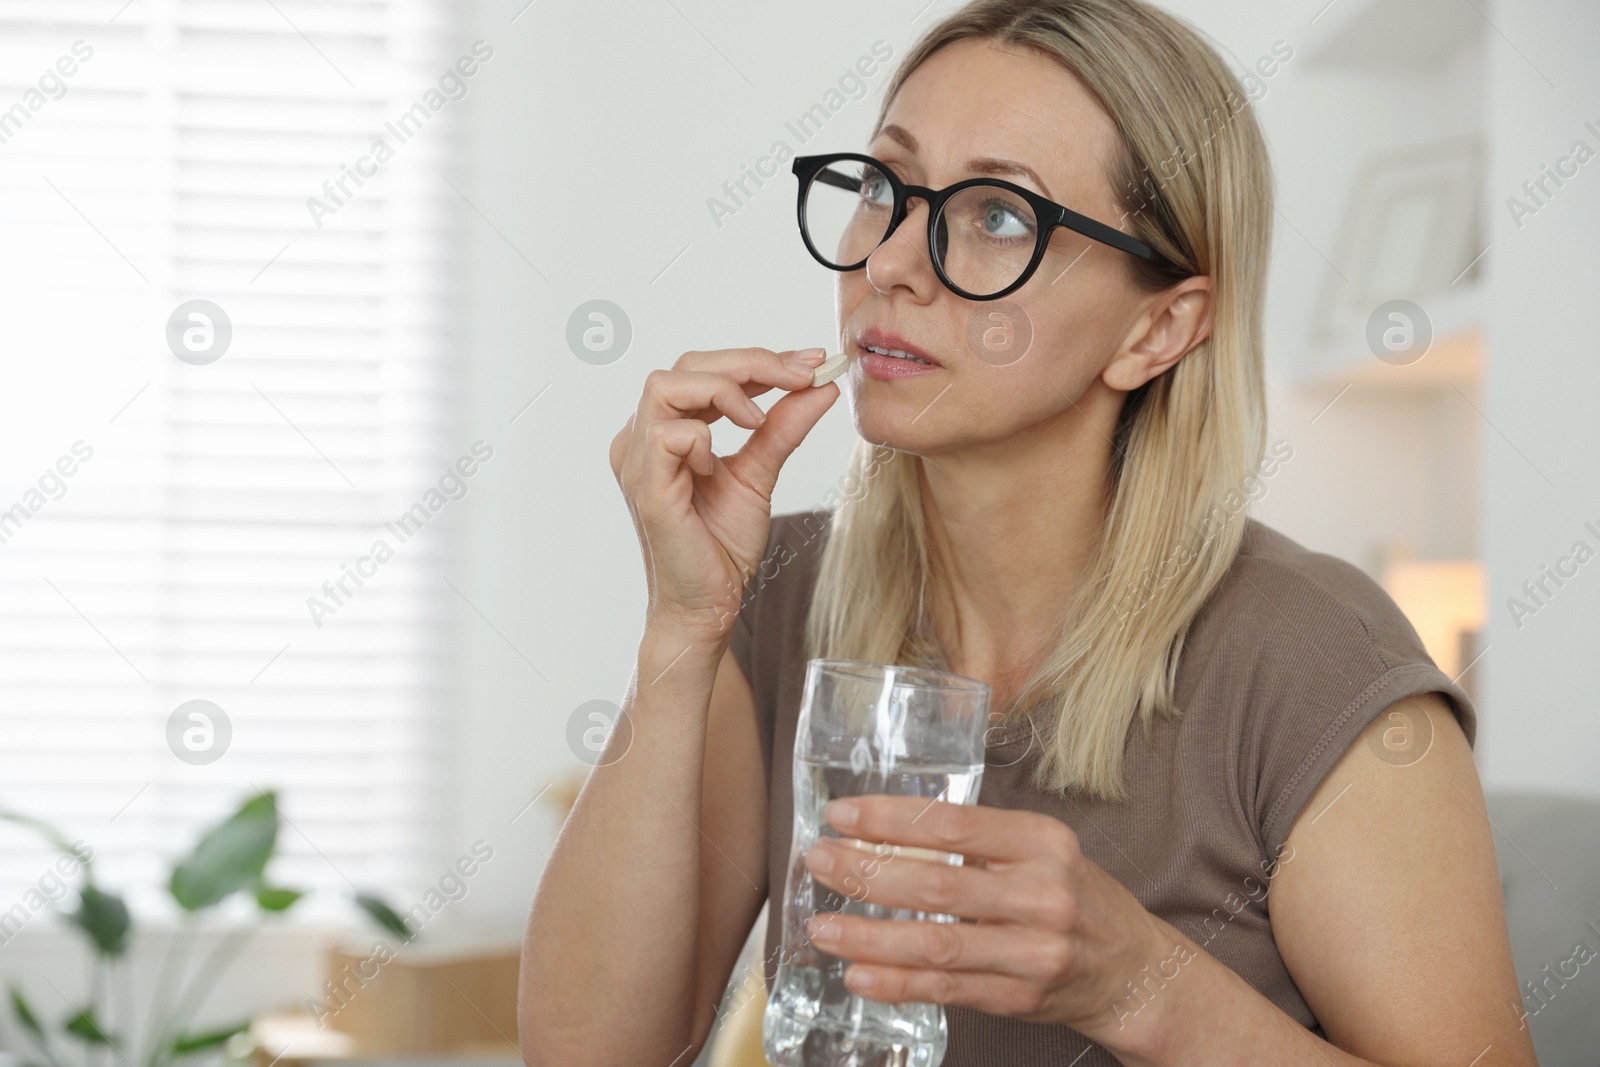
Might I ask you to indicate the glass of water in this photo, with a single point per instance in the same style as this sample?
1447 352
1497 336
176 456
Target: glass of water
866 728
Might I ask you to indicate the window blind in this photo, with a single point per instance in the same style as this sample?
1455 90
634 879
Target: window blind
210 503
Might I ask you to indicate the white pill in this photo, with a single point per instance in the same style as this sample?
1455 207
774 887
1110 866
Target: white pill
830 369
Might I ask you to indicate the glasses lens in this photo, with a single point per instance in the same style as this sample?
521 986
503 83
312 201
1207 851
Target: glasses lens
848 205
984 238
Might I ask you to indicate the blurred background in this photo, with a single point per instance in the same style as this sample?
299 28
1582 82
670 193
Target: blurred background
316 589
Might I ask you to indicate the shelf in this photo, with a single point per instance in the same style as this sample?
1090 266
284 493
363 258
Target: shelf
1455 356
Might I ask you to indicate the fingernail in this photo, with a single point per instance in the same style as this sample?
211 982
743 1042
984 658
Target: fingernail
822 929
806 360
820 858
841 813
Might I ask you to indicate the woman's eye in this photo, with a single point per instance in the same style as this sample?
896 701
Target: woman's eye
877 190
1003 220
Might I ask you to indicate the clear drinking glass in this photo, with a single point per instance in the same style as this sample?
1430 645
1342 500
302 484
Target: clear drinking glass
866 728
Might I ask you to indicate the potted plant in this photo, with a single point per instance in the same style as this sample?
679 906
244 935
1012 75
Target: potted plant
228 859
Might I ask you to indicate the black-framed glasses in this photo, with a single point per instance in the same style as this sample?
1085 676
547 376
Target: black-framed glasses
986 236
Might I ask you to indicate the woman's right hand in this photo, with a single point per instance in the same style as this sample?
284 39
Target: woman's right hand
703 519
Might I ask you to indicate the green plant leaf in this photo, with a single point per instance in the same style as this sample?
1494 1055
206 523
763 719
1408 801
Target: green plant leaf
186 1044
84 1025
230 857
104 917
30 1022
271 899
385 916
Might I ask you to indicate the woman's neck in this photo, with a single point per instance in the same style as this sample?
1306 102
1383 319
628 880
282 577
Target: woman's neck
1011 529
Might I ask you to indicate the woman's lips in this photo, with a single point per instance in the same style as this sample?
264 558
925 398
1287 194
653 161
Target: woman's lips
891 368
874 337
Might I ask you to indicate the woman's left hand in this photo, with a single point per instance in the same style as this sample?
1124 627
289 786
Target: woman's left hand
1056 940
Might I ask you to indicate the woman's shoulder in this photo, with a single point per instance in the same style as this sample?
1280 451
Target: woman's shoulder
1292 656
1278 591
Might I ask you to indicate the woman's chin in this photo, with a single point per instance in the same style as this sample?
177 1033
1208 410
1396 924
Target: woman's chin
900 431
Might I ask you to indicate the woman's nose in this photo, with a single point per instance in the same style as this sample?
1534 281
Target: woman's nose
902 258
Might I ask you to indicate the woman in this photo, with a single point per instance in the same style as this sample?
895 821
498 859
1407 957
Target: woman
1230 813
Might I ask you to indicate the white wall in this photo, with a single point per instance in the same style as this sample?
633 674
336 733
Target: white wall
1543 385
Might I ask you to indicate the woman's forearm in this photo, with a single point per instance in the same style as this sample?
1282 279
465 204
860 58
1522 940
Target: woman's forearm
1207 1014
609 959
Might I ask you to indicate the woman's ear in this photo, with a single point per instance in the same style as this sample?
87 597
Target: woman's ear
1172 323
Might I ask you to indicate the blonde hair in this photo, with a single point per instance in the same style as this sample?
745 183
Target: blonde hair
1191 436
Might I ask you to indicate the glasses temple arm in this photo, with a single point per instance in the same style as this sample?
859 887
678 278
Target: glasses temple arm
1108 235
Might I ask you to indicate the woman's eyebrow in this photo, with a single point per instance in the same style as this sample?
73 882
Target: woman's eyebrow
982 165
992 165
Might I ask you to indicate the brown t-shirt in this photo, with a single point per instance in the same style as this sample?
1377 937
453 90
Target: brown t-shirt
1284 666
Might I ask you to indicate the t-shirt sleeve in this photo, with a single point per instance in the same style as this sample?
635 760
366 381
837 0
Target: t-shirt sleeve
743 640
771 611
1336 654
